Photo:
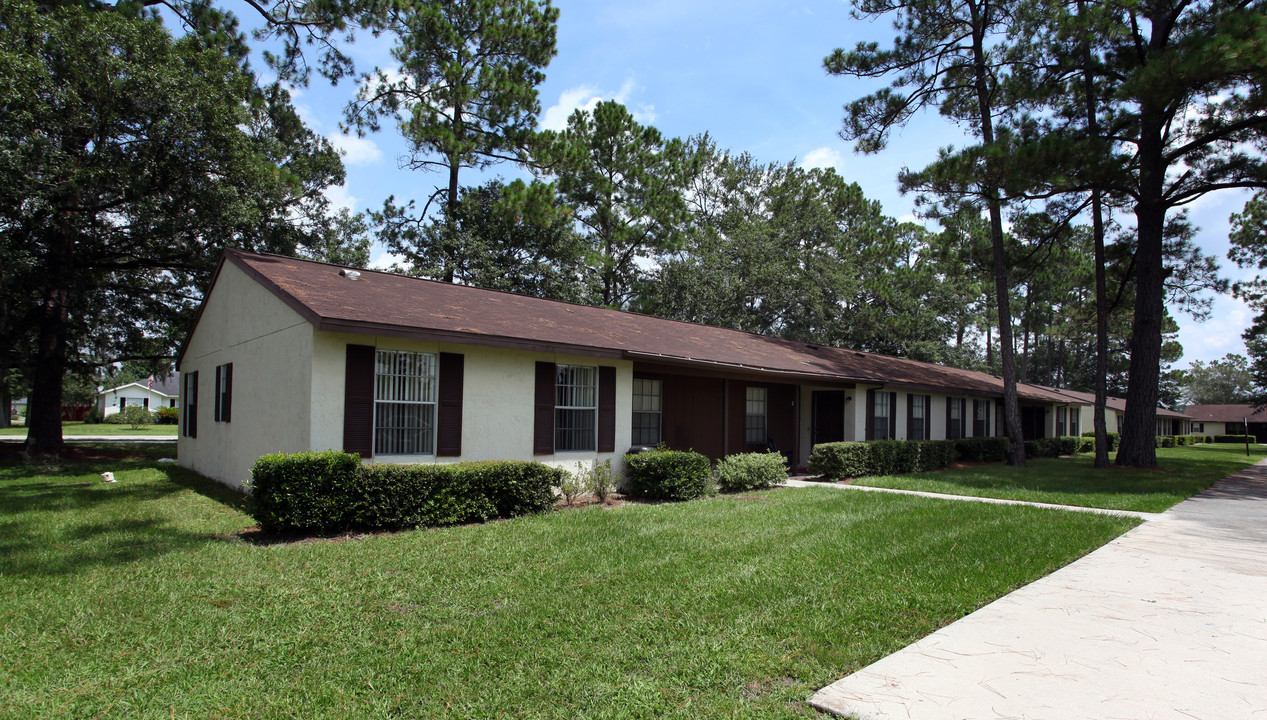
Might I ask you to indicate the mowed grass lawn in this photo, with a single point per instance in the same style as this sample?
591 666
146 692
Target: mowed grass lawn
140 599
1180 474
73 428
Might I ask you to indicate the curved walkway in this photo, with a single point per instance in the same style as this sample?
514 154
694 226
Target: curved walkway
1167 621
792 482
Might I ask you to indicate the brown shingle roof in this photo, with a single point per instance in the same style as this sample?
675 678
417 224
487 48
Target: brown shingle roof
400 306
1112 403
1225 413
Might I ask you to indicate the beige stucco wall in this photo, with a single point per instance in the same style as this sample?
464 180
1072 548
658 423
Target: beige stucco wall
1086 418
497 400
269 345
1215 428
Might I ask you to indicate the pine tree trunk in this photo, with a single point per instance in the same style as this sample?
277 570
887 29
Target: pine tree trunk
1007 351
1098 422
1138 448
44 406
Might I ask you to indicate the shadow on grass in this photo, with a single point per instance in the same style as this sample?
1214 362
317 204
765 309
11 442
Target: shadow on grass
81 524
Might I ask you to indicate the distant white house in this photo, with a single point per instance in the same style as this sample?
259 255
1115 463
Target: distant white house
149 394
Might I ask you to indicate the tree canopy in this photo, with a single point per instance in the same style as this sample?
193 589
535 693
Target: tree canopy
128 157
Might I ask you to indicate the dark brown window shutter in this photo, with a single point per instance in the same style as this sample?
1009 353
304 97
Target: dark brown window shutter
870 435
449 432
226 413
543 411
607 409
910 417
892 416
358 401
215 399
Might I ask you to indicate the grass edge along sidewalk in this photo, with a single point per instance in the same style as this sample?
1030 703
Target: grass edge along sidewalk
1181 473
142 598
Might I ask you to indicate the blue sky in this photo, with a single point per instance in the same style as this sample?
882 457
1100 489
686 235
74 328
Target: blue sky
748 72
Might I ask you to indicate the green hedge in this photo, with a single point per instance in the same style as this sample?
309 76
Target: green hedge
669 474
840 460
1058 446
331 491
1115 439
981 449
1241 439
750 471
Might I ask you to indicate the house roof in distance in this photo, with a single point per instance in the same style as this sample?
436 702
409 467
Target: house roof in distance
371 302
1113 403
168 386
1225 413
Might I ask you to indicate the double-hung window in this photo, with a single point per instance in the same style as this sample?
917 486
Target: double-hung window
189 419
224 393
575 407
1061 414
918 429
883 416
404 403
981 419
647 411
754 422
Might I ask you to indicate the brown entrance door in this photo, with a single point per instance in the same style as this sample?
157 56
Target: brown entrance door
829 416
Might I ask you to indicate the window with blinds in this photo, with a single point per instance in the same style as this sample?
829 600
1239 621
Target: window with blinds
647 411
919 418
404 403
754 424
575 407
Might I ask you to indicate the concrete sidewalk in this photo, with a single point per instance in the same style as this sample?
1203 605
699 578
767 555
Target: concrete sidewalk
1167 621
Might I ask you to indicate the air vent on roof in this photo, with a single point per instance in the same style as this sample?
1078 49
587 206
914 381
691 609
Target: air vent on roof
812 347
350 274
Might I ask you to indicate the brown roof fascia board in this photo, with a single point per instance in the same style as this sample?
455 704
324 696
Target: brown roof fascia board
748 370
664 366
457 338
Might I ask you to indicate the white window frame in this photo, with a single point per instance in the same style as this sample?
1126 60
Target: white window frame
571 401
883 402
919 411
648 406
405 379
756 405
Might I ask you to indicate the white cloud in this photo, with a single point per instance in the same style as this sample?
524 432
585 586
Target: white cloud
585 97
1218 336
339 197
356 150
823 157
386 260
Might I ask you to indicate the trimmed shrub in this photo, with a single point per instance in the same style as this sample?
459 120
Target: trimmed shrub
1165 441
1115 439
166 416
880 457
981 449
332 491
668 474
1241 439
310 491
839 460
750 471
